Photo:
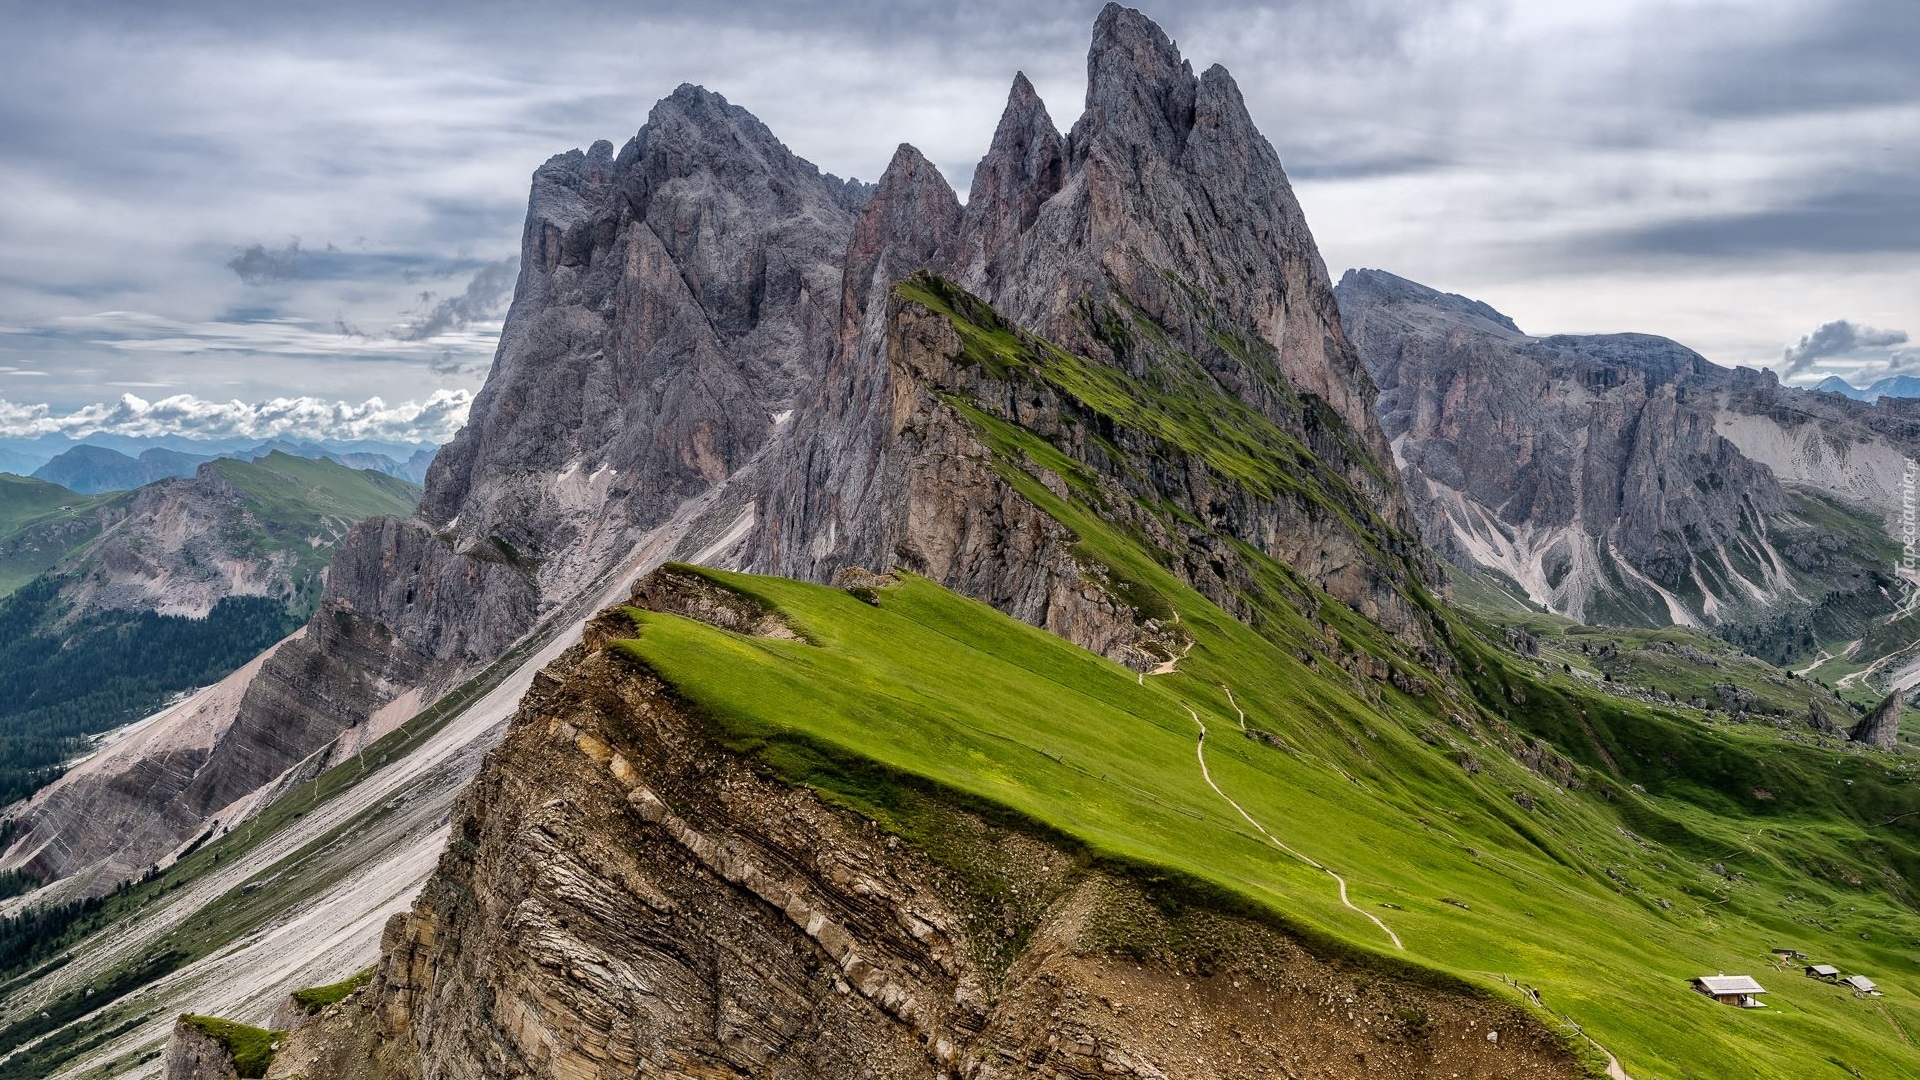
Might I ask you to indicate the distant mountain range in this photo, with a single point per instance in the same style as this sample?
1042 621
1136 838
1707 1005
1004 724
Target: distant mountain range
91 468
1895 386
112 602
1624 479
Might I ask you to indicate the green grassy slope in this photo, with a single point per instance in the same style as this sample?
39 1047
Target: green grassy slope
930 688
1507 820
295 491
305 505
1674 663
40 524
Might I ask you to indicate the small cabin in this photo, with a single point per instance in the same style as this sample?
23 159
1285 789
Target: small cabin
1861 985
1739 991
1787 956
1823 971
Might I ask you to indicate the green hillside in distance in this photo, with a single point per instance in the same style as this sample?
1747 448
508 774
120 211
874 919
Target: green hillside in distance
301 492
1494 818
71 668
292 502
40 524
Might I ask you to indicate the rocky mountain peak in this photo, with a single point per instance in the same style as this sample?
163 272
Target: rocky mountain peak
1023 168
1365 290
1139 89
1171 203
910 224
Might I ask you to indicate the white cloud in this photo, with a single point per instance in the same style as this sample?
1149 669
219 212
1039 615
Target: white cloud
434 420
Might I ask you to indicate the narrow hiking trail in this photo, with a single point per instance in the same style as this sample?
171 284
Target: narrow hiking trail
1614 1069
1200 752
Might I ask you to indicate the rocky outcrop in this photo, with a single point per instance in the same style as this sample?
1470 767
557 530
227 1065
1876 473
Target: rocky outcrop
624 897
1881 727
1610 478
193 1054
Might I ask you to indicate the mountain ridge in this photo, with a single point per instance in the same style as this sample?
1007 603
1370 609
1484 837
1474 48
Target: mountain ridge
1624 478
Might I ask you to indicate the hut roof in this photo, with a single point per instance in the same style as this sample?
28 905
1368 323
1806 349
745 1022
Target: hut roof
1730 984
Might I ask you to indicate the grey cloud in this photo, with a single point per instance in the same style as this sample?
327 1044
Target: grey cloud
1901 363
1870 214
416 124
1837 338
448 364
256 265
485 298
1850 53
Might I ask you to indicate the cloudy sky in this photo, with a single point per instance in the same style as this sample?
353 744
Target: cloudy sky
249 202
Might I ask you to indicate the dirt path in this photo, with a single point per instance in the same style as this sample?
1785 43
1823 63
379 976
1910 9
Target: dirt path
1200 752
1817 661
1614 1071
1236 706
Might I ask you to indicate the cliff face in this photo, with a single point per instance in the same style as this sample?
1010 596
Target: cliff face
1158 239
624 895
263 528
1618 478
671 300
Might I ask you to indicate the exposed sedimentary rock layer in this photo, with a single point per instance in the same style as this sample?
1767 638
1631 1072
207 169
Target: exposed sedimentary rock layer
622 895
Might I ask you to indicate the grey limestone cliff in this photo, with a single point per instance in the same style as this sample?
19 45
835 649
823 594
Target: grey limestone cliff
672 300
1160 238
1624 478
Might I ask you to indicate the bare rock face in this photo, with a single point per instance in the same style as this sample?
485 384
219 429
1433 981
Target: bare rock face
1881 727
192 1054
1161 238
1600 474
169 551
1169 199
833 486
1024 167
622 897
672 301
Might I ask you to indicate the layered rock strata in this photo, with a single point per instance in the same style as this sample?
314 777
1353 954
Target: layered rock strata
622 896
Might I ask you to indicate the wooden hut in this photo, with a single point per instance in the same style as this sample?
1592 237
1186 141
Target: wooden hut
1739 991
1826 972
1861 985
